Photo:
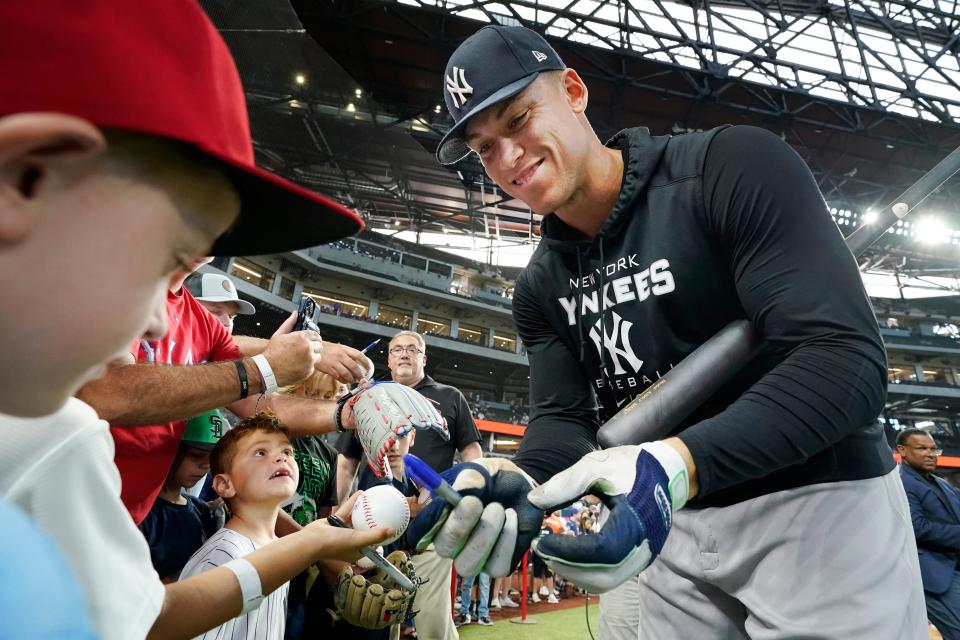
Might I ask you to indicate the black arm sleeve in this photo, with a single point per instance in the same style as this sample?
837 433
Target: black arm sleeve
801 289
563 409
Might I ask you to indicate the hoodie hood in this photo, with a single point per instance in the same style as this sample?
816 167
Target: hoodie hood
641 156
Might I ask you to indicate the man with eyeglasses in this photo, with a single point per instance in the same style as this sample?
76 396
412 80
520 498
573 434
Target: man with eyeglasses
935 512
406 361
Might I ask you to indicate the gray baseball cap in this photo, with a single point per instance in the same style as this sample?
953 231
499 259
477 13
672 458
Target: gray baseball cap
219 288
490 66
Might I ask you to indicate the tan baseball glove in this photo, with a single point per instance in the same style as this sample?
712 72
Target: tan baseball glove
376 602
387 410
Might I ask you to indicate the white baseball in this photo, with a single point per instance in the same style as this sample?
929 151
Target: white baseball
381 505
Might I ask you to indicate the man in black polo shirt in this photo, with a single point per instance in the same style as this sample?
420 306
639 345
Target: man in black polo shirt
407 359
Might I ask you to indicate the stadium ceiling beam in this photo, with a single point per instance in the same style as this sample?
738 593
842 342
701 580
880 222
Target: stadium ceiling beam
784 110
785 23
356 181
858 148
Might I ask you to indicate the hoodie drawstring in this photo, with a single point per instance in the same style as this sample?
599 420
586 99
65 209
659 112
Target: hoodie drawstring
603 324
603 310
578 311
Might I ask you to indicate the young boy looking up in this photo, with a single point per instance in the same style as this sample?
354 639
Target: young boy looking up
254 472
178 523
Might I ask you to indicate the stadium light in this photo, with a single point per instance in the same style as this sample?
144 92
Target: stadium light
870 217
930 231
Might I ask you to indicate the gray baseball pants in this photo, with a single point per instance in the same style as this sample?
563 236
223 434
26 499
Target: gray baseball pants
832 561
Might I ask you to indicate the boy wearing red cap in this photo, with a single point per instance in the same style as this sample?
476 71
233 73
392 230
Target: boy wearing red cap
124 155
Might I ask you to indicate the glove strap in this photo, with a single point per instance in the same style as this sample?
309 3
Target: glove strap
678 482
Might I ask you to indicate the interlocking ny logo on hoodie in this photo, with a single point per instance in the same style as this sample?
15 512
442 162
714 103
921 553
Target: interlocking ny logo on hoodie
611 332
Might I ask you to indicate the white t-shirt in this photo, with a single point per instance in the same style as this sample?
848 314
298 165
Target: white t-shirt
59 469
267 622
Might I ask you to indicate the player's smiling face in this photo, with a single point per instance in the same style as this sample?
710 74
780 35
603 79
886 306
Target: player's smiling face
532 144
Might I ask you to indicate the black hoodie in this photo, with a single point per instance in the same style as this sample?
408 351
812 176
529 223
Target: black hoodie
708 228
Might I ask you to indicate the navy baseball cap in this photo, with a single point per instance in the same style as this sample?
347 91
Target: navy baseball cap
490 66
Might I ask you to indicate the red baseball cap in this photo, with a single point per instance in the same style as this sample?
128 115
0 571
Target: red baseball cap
158 67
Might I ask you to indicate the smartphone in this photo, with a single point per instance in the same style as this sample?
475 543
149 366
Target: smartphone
305 311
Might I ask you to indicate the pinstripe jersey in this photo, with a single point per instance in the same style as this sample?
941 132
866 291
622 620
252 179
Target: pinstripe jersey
268 622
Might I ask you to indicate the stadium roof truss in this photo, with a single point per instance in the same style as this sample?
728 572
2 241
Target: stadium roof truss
894 56
867 92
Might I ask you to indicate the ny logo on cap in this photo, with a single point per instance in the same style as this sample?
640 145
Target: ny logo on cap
458 87
539 55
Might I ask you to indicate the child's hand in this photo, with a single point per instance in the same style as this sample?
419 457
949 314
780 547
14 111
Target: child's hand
345 510
345 544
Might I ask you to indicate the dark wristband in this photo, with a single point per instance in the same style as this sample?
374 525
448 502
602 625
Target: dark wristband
244 382
337 413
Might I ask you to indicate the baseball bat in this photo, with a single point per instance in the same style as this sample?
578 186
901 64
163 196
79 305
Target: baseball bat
663 405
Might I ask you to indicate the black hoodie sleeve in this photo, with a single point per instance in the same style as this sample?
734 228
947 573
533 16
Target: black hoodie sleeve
563 410
800 287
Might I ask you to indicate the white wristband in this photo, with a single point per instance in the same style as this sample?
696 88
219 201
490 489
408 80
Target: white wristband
678 482
266 373
250 588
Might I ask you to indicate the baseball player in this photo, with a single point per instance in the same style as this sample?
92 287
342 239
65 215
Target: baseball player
773 512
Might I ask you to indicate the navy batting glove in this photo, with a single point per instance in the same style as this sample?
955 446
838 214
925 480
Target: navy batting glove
643 485
491 527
